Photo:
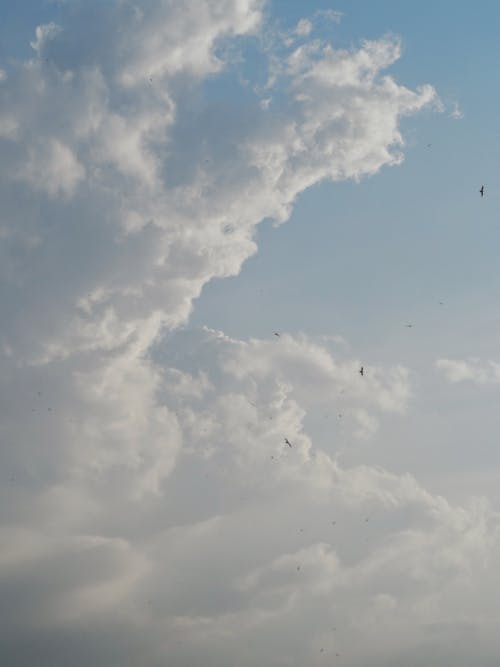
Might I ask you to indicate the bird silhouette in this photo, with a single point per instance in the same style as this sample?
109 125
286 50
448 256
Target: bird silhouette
287 442
481 190
362 370
276 334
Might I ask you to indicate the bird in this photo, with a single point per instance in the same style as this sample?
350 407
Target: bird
276 334
481 190
362 371
409 326
287 442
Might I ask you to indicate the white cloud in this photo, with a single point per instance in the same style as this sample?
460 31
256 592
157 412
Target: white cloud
304 28
472 370
456 112
53 168
43 34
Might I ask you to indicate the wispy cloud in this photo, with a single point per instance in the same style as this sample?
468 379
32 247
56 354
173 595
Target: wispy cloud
456 112
471 370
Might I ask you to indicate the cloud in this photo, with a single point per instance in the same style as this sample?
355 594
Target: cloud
456 112
53 168
151 508
472 370
248 548
330 15
304 28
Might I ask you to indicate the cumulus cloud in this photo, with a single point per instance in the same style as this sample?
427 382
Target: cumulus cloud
151 508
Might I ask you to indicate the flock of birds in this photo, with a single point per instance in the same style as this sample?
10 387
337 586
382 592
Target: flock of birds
361 371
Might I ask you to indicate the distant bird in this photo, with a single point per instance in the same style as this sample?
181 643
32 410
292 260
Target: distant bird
409 326
429 145
276 334
362 371
298 568
481 190
287 442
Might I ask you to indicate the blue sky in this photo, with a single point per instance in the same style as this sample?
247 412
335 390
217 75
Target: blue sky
179 182
421 223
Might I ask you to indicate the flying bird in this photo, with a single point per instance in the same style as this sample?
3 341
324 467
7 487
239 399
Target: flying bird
409 326
276 334
481 190
362 370
287 442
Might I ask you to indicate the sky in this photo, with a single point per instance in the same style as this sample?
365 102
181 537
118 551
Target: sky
214 213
